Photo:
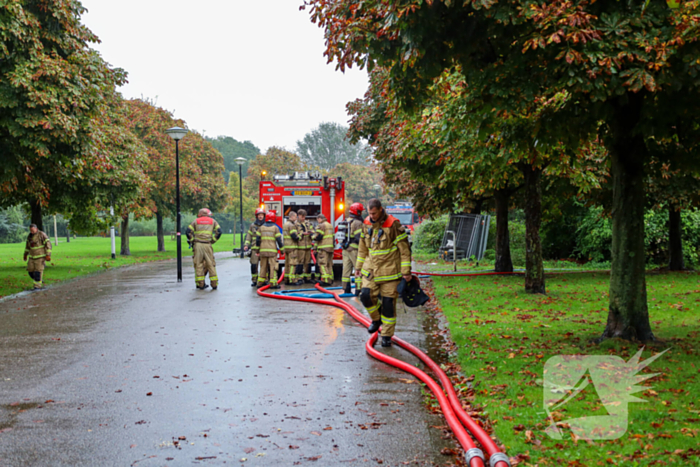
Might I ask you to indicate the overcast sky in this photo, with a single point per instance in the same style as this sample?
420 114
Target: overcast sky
253 70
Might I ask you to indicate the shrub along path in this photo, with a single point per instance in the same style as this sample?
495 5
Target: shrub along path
504 337
88 255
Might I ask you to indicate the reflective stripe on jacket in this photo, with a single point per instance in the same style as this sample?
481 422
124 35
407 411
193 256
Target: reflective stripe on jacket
251 236
325 242
38 245
305 241
204 230
270 239
289 232
355 232
386 243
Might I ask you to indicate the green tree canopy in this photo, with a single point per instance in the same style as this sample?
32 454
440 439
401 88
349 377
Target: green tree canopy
232 149
626 71
276 161
53 90
328 145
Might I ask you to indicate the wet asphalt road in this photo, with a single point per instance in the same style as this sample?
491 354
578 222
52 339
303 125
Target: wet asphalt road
129 367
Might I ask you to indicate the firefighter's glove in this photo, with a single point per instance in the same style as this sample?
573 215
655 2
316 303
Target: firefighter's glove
25 257
48 257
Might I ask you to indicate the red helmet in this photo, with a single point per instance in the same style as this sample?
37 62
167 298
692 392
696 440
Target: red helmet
259 211
204 212
271 216
356 209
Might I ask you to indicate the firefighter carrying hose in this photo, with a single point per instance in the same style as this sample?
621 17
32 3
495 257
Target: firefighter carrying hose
384 243
291 245
305 232
269 241
350 245
250 244
202 233
325 245
38 250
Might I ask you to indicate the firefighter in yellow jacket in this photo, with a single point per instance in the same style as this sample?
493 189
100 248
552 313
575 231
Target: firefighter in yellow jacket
325 245
291 245
350 246
305 232
38 251
384 244
202 233
269 239
250 244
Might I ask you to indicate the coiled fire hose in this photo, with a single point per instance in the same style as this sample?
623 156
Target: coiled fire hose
450 404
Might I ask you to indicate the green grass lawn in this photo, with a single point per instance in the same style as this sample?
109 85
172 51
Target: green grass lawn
504 337
88 255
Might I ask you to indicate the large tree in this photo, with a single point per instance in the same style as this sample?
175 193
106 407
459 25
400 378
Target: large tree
276 161
360 182
53 90
327 146
631 67
201 167
232 149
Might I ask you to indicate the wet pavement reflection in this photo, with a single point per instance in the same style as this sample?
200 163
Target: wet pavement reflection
129 367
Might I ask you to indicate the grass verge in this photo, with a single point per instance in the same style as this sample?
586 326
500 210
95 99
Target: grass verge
88 255
503 337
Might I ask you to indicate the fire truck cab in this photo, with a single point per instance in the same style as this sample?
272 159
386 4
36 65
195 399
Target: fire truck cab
406 214
309 191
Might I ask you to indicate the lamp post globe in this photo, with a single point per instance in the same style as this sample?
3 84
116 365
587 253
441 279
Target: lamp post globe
177 133
240 161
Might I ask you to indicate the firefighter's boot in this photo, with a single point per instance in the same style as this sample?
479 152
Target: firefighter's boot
386 341
374 327
254 274
348 288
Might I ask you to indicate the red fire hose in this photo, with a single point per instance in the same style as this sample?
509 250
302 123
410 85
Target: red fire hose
450 405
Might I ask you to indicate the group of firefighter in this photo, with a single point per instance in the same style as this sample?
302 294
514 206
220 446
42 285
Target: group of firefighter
376 248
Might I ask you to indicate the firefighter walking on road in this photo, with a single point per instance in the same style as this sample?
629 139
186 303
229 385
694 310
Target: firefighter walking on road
325 246
250 244
269 241
305 232
37 251
350 246
384 244
202 233
291 245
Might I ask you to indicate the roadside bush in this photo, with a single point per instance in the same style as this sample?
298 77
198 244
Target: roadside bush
12 228
594 236
429 234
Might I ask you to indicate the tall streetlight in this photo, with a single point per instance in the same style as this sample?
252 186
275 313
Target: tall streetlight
377 187
177 134
240 161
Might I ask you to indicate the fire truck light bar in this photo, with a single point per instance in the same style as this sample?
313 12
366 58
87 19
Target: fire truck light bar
299 176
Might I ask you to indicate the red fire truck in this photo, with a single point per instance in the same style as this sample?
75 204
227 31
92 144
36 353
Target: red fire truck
309 191
406 214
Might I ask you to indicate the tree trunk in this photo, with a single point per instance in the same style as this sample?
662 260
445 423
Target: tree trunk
125 251
534 269
37 218
503 260
675 240
159 231
478 206
628 315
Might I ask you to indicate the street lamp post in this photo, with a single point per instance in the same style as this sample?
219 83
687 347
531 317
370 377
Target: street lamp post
240 161
177 134
377 188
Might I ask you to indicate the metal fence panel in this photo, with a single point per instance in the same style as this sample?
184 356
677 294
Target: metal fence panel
466 234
